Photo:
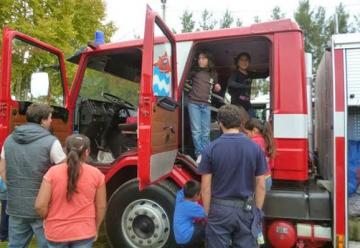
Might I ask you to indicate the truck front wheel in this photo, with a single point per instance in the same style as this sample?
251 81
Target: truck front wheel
140 219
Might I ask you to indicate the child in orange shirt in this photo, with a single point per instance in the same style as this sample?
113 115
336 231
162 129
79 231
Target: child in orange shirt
72 198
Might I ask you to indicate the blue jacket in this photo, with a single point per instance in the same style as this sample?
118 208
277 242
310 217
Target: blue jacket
185 213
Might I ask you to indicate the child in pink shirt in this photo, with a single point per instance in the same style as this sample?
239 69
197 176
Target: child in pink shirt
263 136
72 198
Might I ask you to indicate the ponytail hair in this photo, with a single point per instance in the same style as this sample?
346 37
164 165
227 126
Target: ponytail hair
76 145
266 132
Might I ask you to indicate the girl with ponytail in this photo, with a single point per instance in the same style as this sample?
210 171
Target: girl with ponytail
261 133
72 198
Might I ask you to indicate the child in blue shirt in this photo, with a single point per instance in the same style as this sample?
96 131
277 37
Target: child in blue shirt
187 232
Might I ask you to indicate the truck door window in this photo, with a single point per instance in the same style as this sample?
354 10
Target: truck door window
162 77
260 98
96 82
182 53
28 59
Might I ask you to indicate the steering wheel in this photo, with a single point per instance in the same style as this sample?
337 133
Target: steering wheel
117 100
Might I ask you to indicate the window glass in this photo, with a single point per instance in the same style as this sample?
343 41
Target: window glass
35 75
96 82
162 67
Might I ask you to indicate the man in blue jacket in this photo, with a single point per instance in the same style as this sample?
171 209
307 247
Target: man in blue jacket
232 169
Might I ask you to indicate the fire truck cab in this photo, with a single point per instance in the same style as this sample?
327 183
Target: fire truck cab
128 98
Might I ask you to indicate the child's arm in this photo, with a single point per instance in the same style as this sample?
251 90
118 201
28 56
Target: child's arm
197 211
180 195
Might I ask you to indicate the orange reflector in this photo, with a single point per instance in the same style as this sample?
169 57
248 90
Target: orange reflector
340 241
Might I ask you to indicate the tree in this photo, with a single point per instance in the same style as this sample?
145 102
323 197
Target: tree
137 36
226 20
356 25
238 22
303 17
318 36
343 19
66 24
277 14
257 19
317 28
187 22
207 21
313 23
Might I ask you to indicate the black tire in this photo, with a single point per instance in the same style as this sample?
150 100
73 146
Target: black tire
148 216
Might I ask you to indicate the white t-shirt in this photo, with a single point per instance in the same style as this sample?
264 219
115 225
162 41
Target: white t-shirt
57 154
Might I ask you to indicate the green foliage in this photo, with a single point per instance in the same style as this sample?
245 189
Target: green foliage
207 21
238 22
277 14
226 20
303 17
187 22
257 19
356 25
96 82
313 23
318 29
67 24
28 59
343 19
260 86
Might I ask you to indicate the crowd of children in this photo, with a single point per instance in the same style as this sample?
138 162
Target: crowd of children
189 215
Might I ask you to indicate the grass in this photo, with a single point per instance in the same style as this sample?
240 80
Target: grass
100 243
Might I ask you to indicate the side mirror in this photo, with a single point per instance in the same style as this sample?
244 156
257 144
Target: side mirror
39 85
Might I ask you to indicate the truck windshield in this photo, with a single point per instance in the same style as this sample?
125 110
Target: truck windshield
97 82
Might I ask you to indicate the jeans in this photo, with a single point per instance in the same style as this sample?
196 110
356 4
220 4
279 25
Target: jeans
21 231
200 122
230 227
85 243
4 224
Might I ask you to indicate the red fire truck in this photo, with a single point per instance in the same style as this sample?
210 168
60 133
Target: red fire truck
128 98
337 131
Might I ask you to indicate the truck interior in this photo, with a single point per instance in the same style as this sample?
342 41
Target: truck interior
224 52
107 104
108 98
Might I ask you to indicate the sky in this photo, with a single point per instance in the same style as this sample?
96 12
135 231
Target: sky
129 15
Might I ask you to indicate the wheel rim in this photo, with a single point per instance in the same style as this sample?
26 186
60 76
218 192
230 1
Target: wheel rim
145 223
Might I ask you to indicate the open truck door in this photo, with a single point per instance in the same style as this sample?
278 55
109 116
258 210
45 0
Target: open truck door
158 110
31 71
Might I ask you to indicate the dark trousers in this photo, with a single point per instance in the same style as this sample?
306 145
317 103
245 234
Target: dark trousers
230 226
197 238
4 224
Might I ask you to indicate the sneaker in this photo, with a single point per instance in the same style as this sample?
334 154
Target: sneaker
260 239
